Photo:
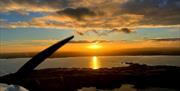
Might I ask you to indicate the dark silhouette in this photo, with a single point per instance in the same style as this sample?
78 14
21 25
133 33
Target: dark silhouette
27 68
37 59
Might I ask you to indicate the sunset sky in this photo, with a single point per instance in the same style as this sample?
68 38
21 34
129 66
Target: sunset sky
98 25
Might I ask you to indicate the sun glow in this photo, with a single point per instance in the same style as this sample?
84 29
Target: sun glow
94 46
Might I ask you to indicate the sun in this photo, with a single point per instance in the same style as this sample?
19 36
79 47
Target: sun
94 46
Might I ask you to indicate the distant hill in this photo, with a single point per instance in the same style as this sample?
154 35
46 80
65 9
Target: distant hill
133 51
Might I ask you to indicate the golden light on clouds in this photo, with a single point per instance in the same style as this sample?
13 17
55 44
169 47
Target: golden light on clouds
93 15
89 48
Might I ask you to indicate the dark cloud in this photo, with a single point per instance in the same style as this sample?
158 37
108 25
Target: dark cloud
79 33
124 30
107 15
94 41
77 13
106 32
167 39
155 12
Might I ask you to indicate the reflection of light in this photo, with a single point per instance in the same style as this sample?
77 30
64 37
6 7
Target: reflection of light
94 46
95 64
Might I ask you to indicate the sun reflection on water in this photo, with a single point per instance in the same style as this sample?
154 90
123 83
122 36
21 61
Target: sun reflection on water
94 63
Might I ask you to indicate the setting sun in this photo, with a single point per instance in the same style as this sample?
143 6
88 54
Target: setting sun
94 46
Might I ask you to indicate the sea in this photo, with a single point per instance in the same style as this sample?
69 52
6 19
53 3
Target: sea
11 65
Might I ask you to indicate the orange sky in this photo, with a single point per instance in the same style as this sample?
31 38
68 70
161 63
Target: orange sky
31 26
87 47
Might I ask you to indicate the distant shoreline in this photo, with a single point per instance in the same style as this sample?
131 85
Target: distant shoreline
125 52
11 57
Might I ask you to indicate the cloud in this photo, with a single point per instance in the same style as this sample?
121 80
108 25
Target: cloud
80 41
167 39
94 41
125 30
155 12
24 6
78 13
89 15
79 33
3 20
105 32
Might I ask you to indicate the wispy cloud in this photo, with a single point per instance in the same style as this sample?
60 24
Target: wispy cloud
106 32
167 39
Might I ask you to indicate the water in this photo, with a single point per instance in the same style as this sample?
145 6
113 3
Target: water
126 87
94 62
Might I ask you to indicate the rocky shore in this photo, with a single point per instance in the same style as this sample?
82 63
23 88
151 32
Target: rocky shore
70 79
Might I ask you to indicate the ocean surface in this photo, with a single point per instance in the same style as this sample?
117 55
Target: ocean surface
94 62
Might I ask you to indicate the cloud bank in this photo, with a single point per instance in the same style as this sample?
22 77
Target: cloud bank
85 15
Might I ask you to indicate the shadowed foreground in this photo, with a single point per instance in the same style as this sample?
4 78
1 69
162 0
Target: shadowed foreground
70 79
